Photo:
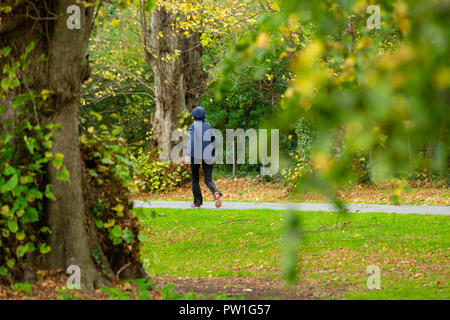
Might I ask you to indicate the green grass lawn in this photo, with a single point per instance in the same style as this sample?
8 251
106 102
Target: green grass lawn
412 251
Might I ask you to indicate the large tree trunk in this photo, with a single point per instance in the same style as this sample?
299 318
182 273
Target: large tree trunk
72 233
67 216
179 81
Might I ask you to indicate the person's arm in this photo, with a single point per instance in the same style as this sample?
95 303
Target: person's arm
188 147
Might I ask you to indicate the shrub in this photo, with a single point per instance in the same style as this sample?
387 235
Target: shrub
301 156
107 190
157 176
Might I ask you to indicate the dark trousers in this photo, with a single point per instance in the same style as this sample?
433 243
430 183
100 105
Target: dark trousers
195 173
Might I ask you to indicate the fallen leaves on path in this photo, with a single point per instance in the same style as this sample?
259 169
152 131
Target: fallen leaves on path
252 189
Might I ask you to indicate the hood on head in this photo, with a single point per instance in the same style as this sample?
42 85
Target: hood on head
199 113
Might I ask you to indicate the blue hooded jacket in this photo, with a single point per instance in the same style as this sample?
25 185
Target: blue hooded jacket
197 132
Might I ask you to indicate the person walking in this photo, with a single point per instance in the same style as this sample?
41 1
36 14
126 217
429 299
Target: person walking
200 151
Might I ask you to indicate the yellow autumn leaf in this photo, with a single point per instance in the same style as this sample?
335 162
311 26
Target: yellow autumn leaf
118 208
4 211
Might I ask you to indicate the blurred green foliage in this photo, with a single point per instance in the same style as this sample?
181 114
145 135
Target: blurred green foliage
160 176
381 92
109 174
120 87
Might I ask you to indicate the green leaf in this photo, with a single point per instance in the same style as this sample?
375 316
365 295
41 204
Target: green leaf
31 215
148 5
99 223
3 271
109 224
48 193
13 226
58 160
97 115
9 171
5 84
11 184
17 102
117 241
29 47
20 235
31 247
116 232
30 144
6 51
42 57
107 161
11 263
45 230
127 235
5 233
7 69
26 179
93 173
116 131
4 210
21 250
63 174
43 248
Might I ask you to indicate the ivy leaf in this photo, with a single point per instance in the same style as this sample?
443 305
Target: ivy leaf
4 210
13 226
29 47
10 184
48 193
9 170
118 208
93 173
127 235
31 215
44 248
45 230
19 101
99 223
109 224
6 51
20 235
116 232
21 250
5 233
30 247
11 263
5 84
63 174
58 160
107 161
3 271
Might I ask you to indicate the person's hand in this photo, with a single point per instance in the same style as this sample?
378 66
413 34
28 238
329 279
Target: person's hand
187 160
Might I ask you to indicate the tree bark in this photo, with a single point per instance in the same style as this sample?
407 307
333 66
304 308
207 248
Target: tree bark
179 82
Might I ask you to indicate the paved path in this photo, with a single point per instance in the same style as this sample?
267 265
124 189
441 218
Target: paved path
406 209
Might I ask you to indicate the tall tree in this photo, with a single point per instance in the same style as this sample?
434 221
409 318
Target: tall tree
44 23
175 36
175 58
